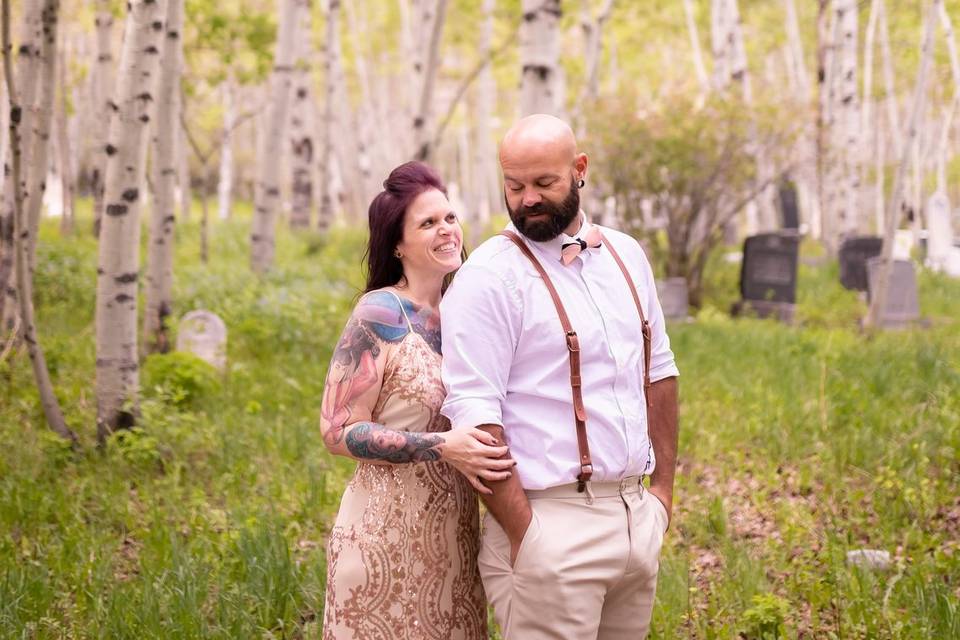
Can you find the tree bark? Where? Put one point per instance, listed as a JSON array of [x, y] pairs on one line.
[[118, 266], [48, 399], [879, 298], [433, 19], [845, 161], [103, 104], [64, 148], [541, 82], [702, 78], [943, 149], [159, 276], [331, 65], [302, 126], [267, 196], [225, 179], [28, 70]]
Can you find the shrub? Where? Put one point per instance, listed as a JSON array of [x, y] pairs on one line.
[[182, 377]]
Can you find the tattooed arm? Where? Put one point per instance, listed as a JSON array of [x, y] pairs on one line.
[[353, 386]]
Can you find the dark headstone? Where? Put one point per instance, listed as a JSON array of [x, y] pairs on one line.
[[902, 307], [788, 205], [853, 255], [674, 298], [768, 275]]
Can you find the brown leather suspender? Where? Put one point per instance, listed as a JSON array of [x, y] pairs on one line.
[[573, 346]]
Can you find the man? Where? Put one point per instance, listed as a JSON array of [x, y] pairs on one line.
[[561, 558]]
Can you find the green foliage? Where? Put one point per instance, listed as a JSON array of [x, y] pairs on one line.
[[209, 518], [181, 377], [764, 620]]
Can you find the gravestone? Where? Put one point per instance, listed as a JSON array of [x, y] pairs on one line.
[[788, 205], [673, 298], [939, 232], [204, 334], [853, 255], [902, 306], [768, 275]]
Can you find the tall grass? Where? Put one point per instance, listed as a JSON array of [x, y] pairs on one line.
[[209, 520]]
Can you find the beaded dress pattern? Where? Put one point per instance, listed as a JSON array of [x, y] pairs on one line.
[[402, 556]]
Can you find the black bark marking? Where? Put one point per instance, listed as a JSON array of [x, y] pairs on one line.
[[122, 298], [110, 149], [131, 195], [117, 210], [152, 50], [157, 25], [126, 278]]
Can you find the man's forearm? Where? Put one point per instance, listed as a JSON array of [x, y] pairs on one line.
[[508, 504], [662, 424]]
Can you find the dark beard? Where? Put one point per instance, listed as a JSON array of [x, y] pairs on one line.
[[559, 216]]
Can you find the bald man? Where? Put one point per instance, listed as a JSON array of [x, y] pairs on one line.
[[572, 539]]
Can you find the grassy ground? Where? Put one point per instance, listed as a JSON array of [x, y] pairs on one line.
[[798, 444]]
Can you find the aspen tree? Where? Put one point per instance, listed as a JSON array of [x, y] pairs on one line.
[[880, 295], [159, 274], [49, 10], [302, 126], [843, 216], [541, 82], [225, 180], [432, 21], [266, 204], [103, 82], [698, 64], [28, 77], [119, 251], [331, 66]]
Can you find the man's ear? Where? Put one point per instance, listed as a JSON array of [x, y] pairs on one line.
[[580, 165]]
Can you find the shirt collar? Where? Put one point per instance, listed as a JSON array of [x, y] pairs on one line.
[[551, 248]]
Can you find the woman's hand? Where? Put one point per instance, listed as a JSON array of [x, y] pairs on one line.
[[477, 455]]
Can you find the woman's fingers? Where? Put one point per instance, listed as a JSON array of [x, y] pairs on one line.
[[494, 476], [479, 486]]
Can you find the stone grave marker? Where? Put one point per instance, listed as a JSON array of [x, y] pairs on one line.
[[768, 275], [673, 298], [204, 334], [788, 205], [902, 307], [853, 255]]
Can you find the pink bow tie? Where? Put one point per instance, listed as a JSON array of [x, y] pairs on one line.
[[571, 250]]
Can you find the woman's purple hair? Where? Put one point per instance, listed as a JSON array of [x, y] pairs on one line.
[[386, 217]]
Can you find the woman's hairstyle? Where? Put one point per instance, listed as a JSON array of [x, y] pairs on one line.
[[386, 216]]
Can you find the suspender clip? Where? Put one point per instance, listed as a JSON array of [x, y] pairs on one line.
[[573, 342]]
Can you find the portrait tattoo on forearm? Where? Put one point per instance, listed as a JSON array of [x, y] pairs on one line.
[[369, 441]]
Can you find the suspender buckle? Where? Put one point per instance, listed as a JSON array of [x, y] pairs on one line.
[[586, 470], [573, 342]]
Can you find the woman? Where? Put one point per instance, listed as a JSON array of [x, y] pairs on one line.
[[401, 559]]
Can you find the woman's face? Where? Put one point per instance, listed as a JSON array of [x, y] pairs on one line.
[[432, 238]]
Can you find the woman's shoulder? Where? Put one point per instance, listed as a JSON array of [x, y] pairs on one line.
[[382, 310]]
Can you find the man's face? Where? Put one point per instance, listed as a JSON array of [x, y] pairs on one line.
[[547, 215]]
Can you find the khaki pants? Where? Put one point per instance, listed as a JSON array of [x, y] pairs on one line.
[[587, 566]]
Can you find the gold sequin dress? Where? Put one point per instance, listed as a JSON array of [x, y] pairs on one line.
[[402, 556]]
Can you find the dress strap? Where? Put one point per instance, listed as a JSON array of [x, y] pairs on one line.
[[402, 310]]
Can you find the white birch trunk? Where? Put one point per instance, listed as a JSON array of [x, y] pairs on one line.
[[225, 180], [48, 399], [27, 72], [879, 298], [484, 148], [541, 82], [943, 149], [102, 99], [592, 30], [117, 274], [847, 132], [434, 17], [331, 49], [302, 126], [184, 187], [159, 276], [64, 148], [702, 78], [267, 196]]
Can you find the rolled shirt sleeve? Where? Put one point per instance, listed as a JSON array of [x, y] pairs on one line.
[[480, 322]]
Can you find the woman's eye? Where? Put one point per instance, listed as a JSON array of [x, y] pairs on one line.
[[426, 223], [516, 189], [451, 217]]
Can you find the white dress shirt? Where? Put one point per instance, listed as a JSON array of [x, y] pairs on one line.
[[505, 359]]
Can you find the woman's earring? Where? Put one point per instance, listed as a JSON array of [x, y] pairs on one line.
[[580, 183], [397, 254]]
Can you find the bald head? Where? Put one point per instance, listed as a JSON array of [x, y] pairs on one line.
[[539, 136], [541, 171]]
